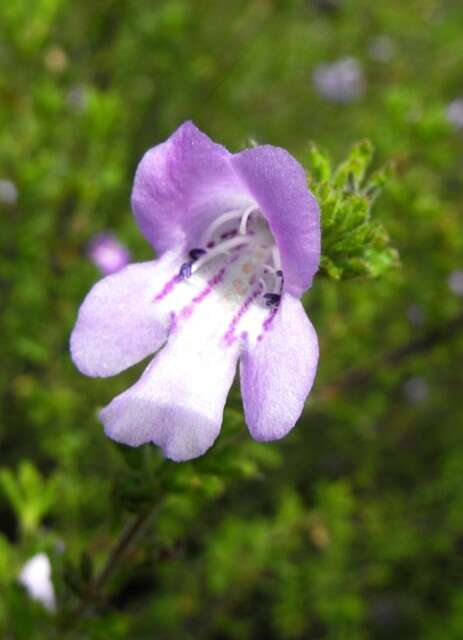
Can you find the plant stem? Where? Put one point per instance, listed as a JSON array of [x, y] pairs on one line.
[[128, 536], [132, 532]]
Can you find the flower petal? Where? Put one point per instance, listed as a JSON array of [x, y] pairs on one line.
[[181, 185], [119, 322], [35, 577], [277, 373], [178, 402], [278, 184]]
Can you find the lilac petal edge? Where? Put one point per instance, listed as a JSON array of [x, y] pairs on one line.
[[279, 185], [277, 373]]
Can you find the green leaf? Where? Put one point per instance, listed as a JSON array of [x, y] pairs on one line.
[[30, 495], [353, 243]]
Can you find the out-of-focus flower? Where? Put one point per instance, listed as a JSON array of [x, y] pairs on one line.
[[8, 192], [381, 49], [77, 97], [455, 282], [108, 254], [416, 389], [415, 315], [35, 577], [454, 112], [238, 240], [340, 81]]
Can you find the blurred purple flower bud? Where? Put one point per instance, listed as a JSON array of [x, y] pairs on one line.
[[381, 49], [108, 254], [77, 97], [455, 282], [454, 112], [8, 192], [416, 389], [415, 315], [341, 81]]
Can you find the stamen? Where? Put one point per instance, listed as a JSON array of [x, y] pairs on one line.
[[273, 299], [196, 253], [223, 247], [276, 275], [228, 234], [232, 236], [185, 270], [218, 222], [276, 258], [244, 219], [227, 217]]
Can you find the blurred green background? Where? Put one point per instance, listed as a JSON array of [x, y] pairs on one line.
[[352, 527]]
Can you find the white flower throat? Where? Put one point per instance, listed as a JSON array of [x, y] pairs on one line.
[[241, 243]]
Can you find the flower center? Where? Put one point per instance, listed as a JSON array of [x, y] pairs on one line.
[[240, 242]]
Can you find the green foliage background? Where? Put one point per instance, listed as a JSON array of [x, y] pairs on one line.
[[352, 527]]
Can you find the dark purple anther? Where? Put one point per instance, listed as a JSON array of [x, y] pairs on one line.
[[185, 270], [272, 299], [196, 253], [280, 273]]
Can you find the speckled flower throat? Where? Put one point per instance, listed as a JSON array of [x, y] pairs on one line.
[[238, 257]]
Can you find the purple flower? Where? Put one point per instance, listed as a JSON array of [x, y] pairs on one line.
[[381, 48], [35, 577], [455, 282], [416, 389], [8, 192], [415, 315], [108, 254], [341, 81], [454, 113], [238, 239]]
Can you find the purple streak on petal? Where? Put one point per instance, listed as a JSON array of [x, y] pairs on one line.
[[173, 322], [168, 287], [213, 282], [279, 186], [267, 324], [230, 336], [187, 311], [178, 402], [108, 254], [277, 373]]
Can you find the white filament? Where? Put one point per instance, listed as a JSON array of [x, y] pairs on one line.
[[223, 247], [276, 258], [244, 219], [218, 222]]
